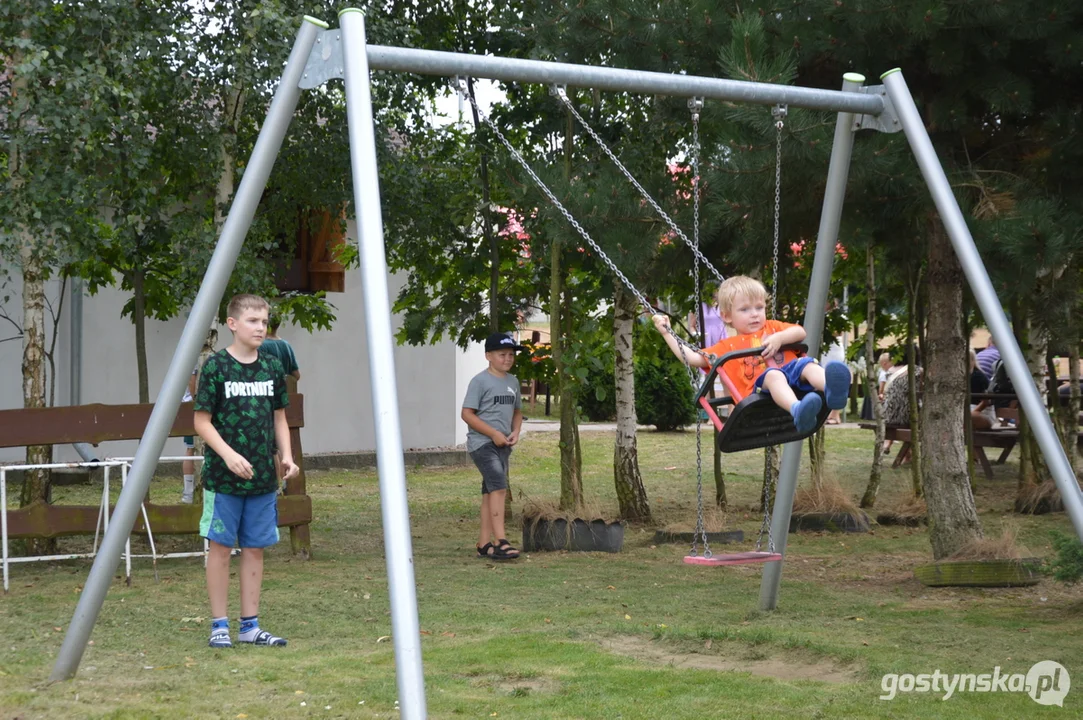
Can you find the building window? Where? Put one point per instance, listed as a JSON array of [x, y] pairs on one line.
[[313, 266]]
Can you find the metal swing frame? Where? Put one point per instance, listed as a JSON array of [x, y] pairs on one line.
[[320, 54]]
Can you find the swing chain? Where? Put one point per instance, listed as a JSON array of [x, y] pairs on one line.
[[563, 96], [695, 105], [460, 86], [779, 113]]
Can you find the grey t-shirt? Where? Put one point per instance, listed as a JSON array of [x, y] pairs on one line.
[[495, 399]]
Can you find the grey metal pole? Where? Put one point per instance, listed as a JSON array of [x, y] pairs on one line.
[[838, 171], [204, 311], [982, 287], [433, 62], [398, 547]]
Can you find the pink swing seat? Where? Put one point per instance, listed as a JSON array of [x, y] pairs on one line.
[[744, 558]]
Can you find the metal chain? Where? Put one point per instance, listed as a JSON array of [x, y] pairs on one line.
[[563, 96], [460, 86], [779, 113], [695, 105]]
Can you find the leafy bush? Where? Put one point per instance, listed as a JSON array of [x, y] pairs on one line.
[[598, 394], [663, 392], [1067, 567]]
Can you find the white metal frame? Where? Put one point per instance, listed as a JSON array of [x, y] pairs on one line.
[[102, 526]]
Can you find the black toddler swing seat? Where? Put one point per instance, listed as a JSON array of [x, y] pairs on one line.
[[755, 421]]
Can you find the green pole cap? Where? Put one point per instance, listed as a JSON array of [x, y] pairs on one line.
[[889, 72], [316, 21], [854, 77], [350, 10]]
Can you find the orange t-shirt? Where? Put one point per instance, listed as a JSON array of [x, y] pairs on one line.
[[744, 371]]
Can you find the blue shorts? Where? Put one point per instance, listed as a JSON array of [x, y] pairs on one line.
[[189, 441], [792, 370], [247, 521]]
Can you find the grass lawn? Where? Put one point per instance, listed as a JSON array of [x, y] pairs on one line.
[[556, 635]]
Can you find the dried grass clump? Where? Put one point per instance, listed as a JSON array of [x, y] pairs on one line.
[[912, 509], [715, 519], [1004, 547], [828, 498], [538, 510], [1039, 499]]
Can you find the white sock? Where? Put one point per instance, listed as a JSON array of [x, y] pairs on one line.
[[189, 484]]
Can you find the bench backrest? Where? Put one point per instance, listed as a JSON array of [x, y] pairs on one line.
[[101, 423]]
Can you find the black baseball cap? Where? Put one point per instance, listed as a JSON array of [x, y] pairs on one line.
[[500, 341]]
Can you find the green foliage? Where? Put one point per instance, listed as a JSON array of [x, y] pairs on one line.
[[664, 393], [1067, 566]]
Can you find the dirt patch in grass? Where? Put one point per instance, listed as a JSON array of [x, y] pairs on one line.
[[725, 657], [521, 687]]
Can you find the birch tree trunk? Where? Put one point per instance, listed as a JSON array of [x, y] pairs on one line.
[[872, 386], [631, 494], [36, 485], [953, 518]]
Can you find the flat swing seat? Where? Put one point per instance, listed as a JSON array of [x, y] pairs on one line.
[[744, 558]]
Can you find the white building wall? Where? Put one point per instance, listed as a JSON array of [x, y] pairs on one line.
[[334, 374]]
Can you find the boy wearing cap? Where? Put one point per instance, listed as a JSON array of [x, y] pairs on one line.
[[492, 412]]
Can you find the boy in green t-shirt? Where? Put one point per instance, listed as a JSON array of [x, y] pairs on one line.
[[240, 412]]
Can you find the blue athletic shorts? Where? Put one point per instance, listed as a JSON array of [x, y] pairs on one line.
[[792, 370], [189, 441], [247, 521]]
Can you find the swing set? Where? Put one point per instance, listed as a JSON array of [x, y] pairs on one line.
[[755, 421], [320, 54]]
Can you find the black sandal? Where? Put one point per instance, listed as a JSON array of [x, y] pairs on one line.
[[503, 546], [496, 554]]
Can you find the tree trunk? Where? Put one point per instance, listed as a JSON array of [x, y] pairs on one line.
[[139, 318], [771, 461], [953, 518], [571, 460], [916, 437], [37, 485], [872, 386], [1066, 415], [719, 477], [817, 456], [631, 494], [233, 101], [1033, 470]]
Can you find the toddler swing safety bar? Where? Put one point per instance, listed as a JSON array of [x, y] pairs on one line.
[[755, 421]]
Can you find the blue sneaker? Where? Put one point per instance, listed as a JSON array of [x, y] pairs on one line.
[[836, 385], [805, 412]]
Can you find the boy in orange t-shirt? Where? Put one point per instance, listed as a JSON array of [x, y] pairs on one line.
[[742, 303]]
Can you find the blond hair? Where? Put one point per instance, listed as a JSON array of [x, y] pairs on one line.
[[739, 286], [884, 357], [239, 303]]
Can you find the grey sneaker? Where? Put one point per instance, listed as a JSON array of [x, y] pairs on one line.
[[186, 498]]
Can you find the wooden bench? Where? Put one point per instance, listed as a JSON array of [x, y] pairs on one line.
[[100, 423], [1004, 438], [979, 439]]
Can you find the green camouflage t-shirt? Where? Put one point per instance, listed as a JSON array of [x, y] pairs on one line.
[[241, 399]]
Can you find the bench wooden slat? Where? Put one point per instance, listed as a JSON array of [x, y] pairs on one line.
[[38, 520], [101, 423]]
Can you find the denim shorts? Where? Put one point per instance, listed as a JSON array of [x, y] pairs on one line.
[[492, 461], [247, 521], [792, 370]]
